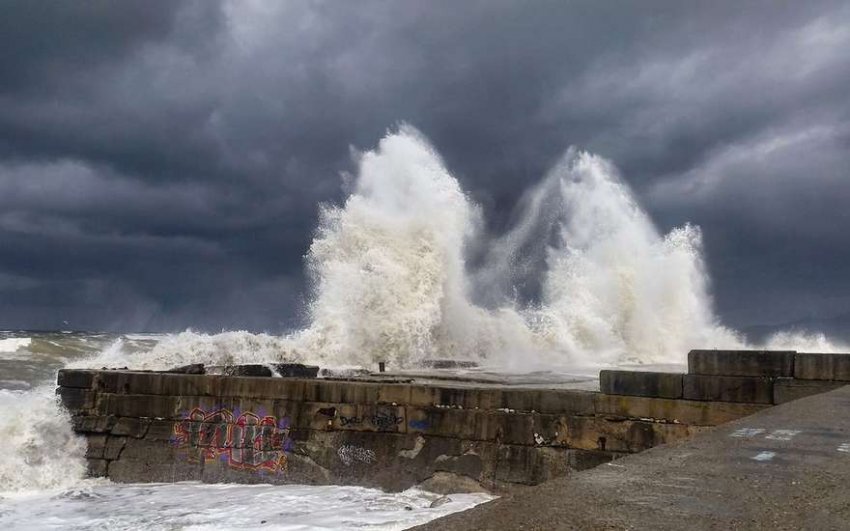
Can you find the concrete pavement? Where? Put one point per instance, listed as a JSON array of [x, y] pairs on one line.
[[787, 467]]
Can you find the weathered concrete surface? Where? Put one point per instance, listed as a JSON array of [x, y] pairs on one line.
[[786, 467], [394, 432], [748, 389], [148, 426], [741, 362], [633, 383], [788, 389], [822, 367]]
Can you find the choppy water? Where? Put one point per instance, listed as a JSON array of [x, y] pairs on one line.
[[42, 484], [28, 358], [102, 505]]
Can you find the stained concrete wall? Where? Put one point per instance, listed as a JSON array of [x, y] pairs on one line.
[[145, 426], [744, 376]]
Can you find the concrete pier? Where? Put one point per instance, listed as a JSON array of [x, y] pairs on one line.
[[786, 467], [445, 433]]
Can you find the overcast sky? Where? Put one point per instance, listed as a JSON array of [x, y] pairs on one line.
[[161, 163]]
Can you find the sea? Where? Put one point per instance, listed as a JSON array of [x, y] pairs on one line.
[[42, 472]]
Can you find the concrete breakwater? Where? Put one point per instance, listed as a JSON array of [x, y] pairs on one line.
[[394, 433]]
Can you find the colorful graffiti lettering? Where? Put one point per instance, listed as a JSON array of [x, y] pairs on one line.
[[244, 441]]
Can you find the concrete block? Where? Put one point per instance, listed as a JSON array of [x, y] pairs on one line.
[[149, 383], [316, 415], [811, 366], [506, 428], [485, 399], [788, 389], [97, 468], [260, 407], [692, 412], [741, 362], [747, 389], [274, 388], [547, 430], [113, 448], [418, 420], [328, 391], [565, 402], [250, 370], [456, 397], [348, 418], [187, 405], [527, 465], [296, 370], [521, 399], [185, 385], [423, 396], [132, 427], [312, 390], [75, 378], [384, 418], [76, 400], [287, 411], [585, 459], [146, 450], [160, 430], [634, 383], [468, 465], [139, 406], [361, 393], [561, 401], [117, 382], [95, 445], [595, 433], [443, 422], [393, 394], [92, 423]]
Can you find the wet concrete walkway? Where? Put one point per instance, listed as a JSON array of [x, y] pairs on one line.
[[787, 467]]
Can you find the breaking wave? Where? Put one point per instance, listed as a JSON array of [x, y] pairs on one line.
[[391, 281], [582, 279], [41, 451]]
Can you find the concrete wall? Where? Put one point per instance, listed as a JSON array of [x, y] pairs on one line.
[[145, 426]]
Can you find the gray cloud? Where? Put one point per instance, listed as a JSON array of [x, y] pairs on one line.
[[161, 167]]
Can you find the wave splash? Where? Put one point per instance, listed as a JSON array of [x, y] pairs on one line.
[[391, 281], [582, 279], [41, 451]]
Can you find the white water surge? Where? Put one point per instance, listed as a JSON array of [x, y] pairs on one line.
[[40, 450], [391, 280], [196, 506], [582, 279]]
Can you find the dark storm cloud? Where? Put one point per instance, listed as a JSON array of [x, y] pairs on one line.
[[161, 164]]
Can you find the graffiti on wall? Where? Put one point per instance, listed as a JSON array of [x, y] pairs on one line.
[[244, 441], [350, 454], [350, 421], [386, 420]]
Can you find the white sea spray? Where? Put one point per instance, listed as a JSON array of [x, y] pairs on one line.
[[40, 450]]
